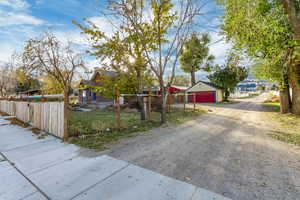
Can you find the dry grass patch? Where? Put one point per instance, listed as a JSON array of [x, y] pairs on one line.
[[15, 121], [286, 127], [3, 114], [35, 131], [42, 136]]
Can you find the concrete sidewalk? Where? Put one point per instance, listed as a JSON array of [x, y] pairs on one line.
[[37, 169]]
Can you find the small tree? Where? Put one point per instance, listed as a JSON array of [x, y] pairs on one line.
[[195, 56], [121, 52], [25, 81], [7, 80], [228, 76], [48, 56], [108, 86]]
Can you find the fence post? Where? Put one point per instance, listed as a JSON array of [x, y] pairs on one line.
[[169, 101], [118, 108], [184, 102], [149, 106], [194, 101], [66, 115]]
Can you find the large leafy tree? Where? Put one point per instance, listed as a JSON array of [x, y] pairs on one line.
[[195, 55], [260, 29], [292, 10], [228, 75], [8, 81], [160, 29]]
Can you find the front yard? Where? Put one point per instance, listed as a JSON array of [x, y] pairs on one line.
[[287, 126], [97, 129]]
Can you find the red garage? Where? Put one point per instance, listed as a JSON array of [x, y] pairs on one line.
[[205, 92]]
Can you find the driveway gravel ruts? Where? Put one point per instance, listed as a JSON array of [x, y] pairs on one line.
[[226, 151]]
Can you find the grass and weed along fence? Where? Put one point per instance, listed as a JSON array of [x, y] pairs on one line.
[[47, 116]]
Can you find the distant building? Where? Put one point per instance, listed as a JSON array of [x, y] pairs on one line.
[[251, 85], [31, 93], [87, 95]]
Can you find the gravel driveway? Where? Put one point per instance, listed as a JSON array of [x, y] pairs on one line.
[[226, 151]]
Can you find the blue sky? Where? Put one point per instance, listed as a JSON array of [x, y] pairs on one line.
[[24, 19]]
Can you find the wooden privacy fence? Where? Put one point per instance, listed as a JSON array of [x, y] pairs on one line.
[[47, 116]]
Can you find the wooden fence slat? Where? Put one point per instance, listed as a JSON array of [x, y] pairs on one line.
[[46, 116]]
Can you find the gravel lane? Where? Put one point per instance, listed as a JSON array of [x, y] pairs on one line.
[[226, 151]]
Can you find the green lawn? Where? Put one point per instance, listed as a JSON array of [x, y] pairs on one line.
[[289, 124], [97, 128]]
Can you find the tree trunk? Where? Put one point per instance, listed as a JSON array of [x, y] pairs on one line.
[[294, 78], [285, 97], [290, 8], [226, 95], [66, 115], [142, 108], [193, 78], [284, 100], [164, 97]]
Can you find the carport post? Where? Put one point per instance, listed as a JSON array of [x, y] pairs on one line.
[[149, 106], [66, 114]]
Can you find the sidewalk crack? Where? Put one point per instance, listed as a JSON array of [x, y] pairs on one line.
[[101, 181], [20, 172]]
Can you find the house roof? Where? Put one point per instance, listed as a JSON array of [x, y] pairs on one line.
[[104, 73], [29, 91], [88, 82], [91, 82], [208, 84]]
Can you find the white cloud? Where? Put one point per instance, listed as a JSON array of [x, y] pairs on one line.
[[92, 63], [15, 12], [73, 36], [6, 50], [15, 4], [12, 18], [104, 24], [12, 39]]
